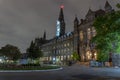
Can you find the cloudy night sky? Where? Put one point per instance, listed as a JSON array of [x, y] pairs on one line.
[[23, 20]]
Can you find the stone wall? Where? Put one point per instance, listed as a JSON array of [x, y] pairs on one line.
[[116, 59]]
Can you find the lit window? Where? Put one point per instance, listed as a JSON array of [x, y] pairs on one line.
[[93, 31], [89, 33], [81, 35], [68, 56], [88, 54], [50, 58], [64, 45], [68, 44], [61, 57]]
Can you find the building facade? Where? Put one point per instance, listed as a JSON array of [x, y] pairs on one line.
[[61, 47]]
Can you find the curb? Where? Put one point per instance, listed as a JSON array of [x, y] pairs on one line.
[[31, 70]]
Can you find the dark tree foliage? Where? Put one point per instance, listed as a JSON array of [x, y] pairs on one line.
[[108, 34], [75, 56], [118, 5], [34, 51], [11, 52]]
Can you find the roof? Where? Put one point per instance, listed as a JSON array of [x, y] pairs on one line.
[[107, 4], [99, 12]]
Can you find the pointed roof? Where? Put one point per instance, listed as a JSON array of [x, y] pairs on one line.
[[76, 19], [89, 12], [99, 12], [107, 4], [44, 36], [61, 15]]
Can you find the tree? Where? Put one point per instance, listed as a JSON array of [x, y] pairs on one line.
[[11, 52], [75, 56], [107, 38], [34, 51], [118, 5]]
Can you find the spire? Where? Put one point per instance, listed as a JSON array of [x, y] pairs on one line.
[[76, 19], [60, 28], [76, 23], [107, 4], [89, 11], [44, 36], [61, 15], [108, 7]]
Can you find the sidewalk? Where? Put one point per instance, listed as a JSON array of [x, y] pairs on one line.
[[102, 71]]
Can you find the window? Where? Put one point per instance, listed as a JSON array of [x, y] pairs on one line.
[[93, 31], [68, 44], [50, 58], [68, 49], [64, 50], [68, 56], [88, 54], [61, 57], [89, 33], [81, 35], [65, 45]]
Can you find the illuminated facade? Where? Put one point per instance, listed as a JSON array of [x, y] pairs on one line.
[[61, 47]]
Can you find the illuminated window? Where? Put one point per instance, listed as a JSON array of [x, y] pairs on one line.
[[95, 54], [58, 28], [65, 57], [68, 44], [61, 57], [81, 35], [47, 58], [89, 33], [88, 54], [93, 31], [65, 45], [50, 58]]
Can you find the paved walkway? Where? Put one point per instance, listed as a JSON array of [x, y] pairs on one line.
[[93, 73], [74, 72]]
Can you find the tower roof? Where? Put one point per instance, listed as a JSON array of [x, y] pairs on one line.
[[107, 4], [44, 35], [90, 12], [76, 19], [61, 15]]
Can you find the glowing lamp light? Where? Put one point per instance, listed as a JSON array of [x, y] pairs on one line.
[[62, 6], [54, 59], [0, 60]]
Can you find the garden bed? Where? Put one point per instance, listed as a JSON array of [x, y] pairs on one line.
[[28, 67]]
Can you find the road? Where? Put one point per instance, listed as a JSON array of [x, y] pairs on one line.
[[75, 72]]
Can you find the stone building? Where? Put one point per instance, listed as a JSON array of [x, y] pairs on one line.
[[61, 47]]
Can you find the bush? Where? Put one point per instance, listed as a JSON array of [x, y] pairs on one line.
[[30, 64]]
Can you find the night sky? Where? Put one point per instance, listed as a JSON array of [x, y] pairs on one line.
[[23, 20]]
